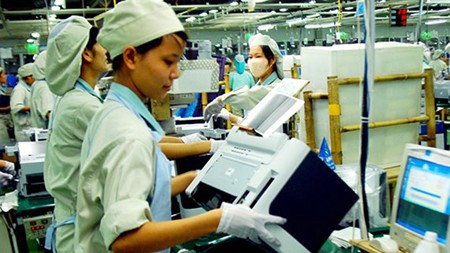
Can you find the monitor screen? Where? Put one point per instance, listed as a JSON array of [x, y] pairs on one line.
[[424, 198]]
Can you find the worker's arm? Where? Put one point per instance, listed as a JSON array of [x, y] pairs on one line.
[[171, 139], [154, 236], [182, 181], [25, 109], [5, 108], [180, 150]]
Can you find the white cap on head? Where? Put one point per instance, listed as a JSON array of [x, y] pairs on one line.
[[66, 43], [239, 58], [39, 66], [265, 40], [25, 70], [136, 22], [436, 54]]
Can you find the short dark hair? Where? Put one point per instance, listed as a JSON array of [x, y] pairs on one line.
[[144, 48], [93, 32]]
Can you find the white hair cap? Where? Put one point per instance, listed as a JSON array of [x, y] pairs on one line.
[[265, 40], [436, 54], [38, 68], [136, 22], [66, 43], [239, 58], [25, 70]]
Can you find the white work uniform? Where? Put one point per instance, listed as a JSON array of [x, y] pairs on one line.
[[42, 101], [247, 98], [122, 170], [70, 119], [20, 97], [439, 68]]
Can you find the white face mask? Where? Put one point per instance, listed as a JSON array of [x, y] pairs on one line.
[[258, 66]]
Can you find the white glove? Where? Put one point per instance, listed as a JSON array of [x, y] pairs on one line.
[[224, 114], [243, 222], [4, 178], [213, 108], [215, 145], [10, 168], [193, 138]]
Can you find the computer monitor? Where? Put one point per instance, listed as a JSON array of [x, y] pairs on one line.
[[421, 201]]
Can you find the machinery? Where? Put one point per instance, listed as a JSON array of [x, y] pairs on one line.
[[279, 176], [442, 91], [31, 173]]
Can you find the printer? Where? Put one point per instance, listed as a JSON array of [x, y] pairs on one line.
[[279, 176], [31, 173]]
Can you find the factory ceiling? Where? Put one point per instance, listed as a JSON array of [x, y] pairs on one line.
[[19, 18]]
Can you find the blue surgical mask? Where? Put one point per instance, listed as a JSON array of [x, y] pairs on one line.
[[240, 66]]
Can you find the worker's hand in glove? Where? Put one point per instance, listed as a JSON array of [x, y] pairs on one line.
[[4, 178], [9, 168], [215, 145], [224, 114], [193, 138], [213, 108], [243, 222]]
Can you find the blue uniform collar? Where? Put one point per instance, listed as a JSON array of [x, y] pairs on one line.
[[130, 100], [270, 79], [84, 86]]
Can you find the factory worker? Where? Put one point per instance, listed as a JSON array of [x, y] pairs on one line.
[[74, 62], [20, 102], [266, 65], [238, 79], [42, 100], [7, 172], [438, 65], [4, 110], [125, 187]]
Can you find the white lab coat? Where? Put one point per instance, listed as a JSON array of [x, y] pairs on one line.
[[62, 161], [438, 67], [246, 99], [20, 97], [118, 154], [42, 101]]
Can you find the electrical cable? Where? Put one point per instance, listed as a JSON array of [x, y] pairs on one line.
[[367, 87]]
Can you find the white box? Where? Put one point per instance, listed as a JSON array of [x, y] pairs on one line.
[[389, 100]]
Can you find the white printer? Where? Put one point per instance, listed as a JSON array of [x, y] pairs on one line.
[[279, 176]]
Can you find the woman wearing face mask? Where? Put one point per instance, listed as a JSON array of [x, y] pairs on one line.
[[266, 65]]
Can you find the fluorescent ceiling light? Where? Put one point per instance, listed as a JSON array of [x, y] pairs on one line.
[[315, 15], [284, 9], [435, 22], [294, 21], [190, 19], [417, 13], [323, 25], [265, 27]]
